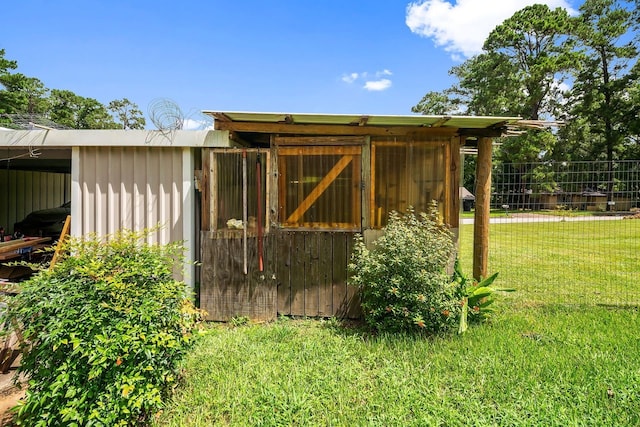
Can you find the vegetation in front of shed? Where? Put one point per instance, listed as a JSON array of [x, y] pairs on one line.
[[403, 282], [106, 330]]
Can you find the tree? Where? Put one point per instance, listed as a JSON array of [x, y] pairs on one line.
[[22, 94], [531, 55], [5, 66], [603, 90], [77, 112], [437, 103], [519, 72], [534, 41], [478, 91], [127, 114]]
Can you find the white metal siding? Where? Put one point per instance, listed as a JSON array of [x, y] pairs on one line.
[[22, 192], [130, 188]]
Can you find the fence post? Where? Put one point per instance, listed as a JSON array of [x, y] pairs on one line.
[[482, 209]]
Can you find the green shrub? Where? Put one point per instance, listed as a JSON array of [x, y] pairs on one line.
[[107, 328], [403, 281]]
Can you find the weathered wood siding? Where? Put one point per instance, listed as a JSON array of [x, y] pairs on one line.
[[225, 290], [306, 261], [305, 274], [312, 273]]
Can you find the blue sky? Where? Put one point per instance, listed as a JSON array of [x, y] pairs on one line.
[[324, 56]]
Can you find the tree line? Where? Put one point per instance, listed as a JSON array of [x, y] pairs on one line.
[[21, 95], [544, 64]]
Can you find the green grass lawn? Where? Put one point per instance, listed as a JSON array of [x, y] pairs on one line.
[[538, 362], [502, 213], [582, 262], [544, 366]]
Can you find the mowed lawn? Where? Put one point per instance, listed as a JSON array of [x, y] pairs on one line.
[[581, 262], [535, 363]]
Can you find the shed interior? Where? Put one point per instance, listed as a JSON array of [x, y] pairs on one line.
[[31, 180]]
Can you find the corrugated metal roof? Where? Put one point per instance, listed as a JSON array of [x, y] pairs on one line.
[[113, 138], [468, 122]]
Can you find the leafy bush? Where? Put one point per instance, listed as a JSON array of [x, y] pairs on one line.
[[403, 281], [106, 329], [478, 296]]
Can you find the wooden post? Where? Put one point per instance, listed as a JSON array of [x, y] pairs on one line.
[[482, 210], [454, 195], [205, 204], [63, 235]]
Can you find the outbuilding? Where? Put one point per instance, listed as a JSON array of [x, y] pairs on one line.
[[267, 203], [304, 184]]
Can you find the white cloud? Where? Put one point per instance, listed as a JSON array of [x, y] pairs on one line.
[[377, 85], [191, 124], [350, 78], [372, 81], [462, 26]]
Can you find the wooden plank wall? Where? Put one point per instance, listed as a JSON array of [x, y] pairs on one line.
[[225, 291], [312, 274]]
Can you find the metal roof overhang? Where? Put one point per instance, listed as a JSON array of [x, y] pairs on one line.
[[111, 138], [358, 123]]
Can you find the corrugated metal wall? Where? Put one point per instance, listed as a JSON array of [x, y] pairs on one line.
[[129, 187], [22, 192]]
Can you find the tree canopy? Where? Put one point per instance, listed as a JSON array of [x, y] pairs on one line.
[[21, 95], [543, 64]]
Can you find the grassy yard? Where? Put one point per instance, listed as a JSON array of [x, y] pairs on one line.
[[535, 363], [582, 262], [545, 366], [502, 213]]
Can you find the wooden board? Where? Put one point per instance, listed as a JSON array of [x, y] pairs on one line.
[[354, 310], [339, 274], [312, 275], [306, 275], [225, 291], [283, 272], [319, 140], [325, 267], [482, 209], [63, 235], [297, 274]]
